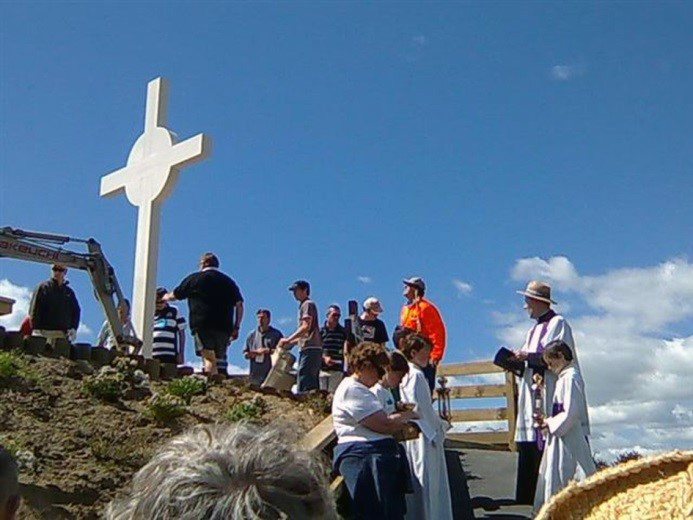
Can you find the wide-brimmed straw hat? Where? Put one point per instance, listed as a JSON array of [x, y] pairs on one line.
[[538, 291]]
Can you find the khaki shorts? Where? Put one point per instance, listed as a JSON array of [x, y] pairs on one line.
[[215, 340]]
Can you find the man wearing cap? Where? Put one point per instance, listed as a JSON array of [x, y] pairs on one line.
[[333, 337], [421, 316], [259, 345], [216, 310], [54, 308], [307, 337], [169, 331], [372, 328], [549, 326]]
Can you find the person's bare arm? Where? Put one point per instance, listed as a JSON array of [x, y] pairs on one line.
[[300, 331], [380, 422]]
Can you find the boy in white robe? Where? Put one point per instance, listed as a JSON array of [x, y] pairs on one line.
[[426, 454], [567, 455]]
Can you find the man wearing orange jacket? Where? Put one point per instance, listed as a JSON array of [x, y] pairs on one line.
[[421, 316]]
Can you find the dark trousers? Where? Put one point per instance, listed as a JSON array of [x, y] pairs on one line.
[[529, 458], [375, 477], [429, 372], [309, 363]]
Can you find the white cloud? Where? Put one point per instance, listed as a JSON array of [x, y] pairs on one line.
[[566, 72], [285, 320], [84, 332], [636, 368], [364, 279], [20, 309], [463, 288]]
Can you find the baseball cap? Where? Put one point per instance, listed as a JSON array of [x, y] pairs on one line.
[[372, 304], [299, 284], [415, 281]]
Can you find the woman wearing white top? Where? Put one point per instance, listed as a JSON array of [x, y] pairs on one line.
[[366, 452], [426, 455]]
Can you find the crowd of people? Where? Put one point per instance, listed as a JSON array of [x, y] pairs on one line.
[[390, 438]]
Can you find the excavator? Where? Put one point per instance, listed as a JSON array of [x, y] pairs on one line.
[[46, 248]]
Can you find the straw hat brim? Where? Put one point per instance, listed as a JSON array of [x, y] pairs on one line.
[[535, 297]]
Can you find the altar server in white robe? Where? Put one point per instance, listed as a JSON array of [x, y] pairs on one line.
[[567, 455], [426, 455], [549, 327]]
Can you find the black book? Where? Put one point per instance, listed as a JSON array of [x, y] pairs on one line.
[[506, 360]]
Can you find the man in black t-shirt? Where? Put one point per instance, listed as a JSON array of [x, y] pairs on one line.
[[372, 328], [214, 300]]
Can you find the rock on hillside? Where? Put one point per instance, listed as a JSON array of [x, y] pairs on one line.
[[76, 451]]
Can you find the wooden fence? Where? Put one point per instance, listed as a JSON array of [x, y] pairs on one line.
[[484, 439]]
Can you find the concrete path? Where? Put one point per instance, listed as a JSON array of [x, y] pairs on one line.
[[491, 481]]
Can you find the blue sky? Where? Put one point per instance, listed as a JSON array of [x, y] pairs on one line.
[[476, 144]]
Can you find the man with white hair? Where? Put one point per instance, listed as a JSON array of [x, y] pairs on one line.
[[9, 486], [221, 472], [549, 327]]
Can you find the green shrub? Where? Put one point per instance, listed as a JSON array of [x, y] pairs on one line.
[[187, 387], [106, 385], [251, 411], [9, 365], [14, 366], [165, 408]]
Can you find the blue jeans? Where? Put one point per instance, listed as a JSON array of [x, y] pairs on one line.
[[309, 363]]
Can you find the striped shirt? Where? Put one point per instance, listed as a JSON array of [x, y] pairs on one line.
[[333, 345], [167, 324]]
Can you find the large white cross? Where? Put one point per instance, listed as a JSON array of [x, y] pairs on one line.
[[148, 178]]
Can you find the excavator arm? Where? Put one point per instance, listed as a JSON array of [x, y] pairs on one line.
[[47, 249]]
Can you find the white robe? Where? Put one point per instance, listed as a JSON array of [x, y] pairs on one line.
[[557, 328], [567, 455], [426, 454]]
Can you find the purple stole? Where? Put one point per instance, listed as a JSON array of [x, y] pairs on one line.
[[544, 322]]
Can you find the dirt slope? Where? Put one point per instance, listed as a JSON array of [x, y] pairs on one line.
[[76, 451]]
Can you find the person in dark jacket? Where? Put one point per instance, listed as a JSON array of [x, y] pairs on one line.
[[54, 309]]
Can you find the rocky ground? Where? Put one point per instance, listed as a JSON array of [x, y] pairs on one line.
[[77, 450]]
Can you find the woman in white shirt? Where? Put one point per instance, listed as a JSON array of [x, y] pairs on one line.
[[366, 452]]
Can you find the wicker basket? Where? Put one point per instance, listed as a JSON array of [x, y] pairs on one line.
[[659, 487]]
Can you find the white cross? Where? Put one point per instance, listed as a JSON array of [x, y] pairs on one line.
[[148, 178]]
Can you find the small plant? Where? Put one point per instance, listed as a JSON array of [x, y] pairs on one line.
[[165, 408], [9, 366], [107, 385], [627, 456], [251, 411], [187, 387], [118, 451], [14, 366]]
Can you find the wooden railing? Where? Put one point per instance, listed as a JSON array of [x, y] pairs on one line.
[[483, 439], [319, 439]]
